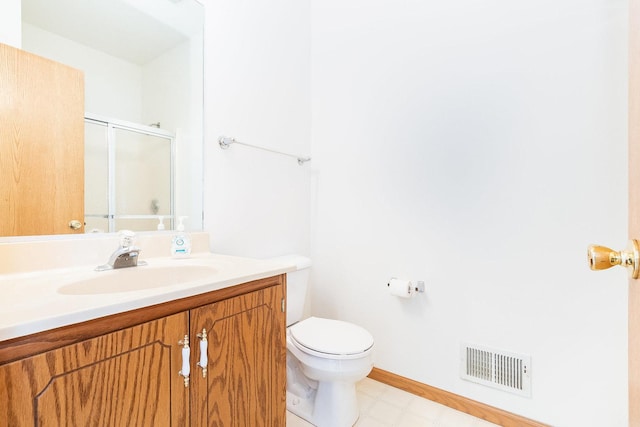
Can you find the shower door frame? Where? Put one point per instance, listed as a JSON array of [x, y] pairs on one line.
[[112, 125]]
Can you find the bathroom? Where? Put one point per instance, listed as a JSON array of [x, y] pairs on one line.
[[477, 146]]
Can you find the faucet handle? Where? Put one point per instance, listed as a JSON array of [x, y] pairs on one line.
[[126, 238]]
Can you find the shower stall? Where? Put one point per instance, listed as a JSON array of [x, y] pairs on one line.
[[129, 175]]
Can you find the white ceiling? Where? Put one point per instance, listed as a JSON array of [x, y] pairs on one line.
[[111, 26]]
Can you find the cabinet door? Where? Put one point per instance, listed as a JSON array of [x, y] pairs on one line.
[[41, 145], [125, 378], [246, 379]]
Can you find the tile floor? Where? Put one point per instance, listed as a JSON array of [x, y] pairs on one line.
[[385, 406]]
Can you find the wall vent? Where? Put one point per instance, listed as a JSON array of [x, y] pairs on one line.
[[495, 368]]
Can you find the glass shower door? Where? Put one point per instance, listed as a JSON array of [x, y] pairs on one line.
[[129, 182]]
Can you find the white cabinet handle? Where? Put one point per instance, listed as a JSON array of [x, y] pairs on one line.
[[204, 344], [186, 355]]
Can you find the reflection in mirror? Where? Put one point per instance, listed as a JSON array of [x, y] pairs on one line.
[[142, 179], [143, 65], [128, 179]]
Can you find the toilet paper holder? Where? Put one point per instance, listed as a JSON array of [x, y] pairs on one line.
[[417, 287]]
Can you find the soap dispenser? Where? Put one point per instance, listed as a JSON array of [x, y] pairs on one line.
[[161, 223], [181, 242]]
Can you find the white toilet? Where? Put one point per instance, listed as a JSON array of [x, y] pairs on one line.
[[325, 358]]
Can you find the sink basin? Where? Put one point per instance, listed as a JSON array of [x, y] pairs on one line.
[[136, 279]]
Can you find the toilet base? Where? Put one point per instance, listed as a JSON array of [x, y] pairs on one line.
[[321, 387], [333, 404]]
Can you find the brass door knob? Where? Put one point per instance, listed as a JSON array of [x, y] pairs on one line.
[[601, 258]]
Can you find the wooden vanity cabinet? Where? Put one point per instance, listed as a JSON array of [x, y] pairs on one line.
[[245, 384], [122, 378], [130, 376]]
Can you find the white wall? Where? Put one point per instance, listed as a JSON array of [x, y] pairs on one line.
[[162, 80], [113, 87], [479, 146], [165, 78], [11, 22], [257, 89]]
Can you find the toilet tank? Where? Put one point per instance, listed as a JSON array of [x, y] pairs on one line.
[[297, 284]]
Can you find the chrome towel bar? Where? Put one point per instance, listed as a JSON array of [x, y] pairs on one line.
[[225, 142]]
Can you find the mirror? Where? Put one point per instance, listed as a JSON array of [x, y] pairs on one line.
[[143, 68]]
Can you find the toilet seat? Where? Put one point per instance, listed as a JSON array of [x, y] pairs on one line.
[[331, 339]]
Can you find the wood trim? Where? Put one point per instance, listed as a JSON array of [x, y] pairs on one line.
[[634, 209], [459, 403], [29, 345]]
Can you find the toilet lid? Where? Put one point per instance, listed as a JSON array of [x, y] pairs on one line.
[[331, 336]]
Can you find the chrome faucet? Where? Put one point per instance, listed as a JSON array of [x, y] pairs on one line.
[[125, 256]]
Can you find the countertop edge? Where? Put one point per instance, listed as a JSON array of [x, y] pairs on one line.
[[251, 270]]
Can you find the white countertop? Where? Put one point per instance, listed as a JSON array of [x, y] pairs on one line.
[[37, 301]]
